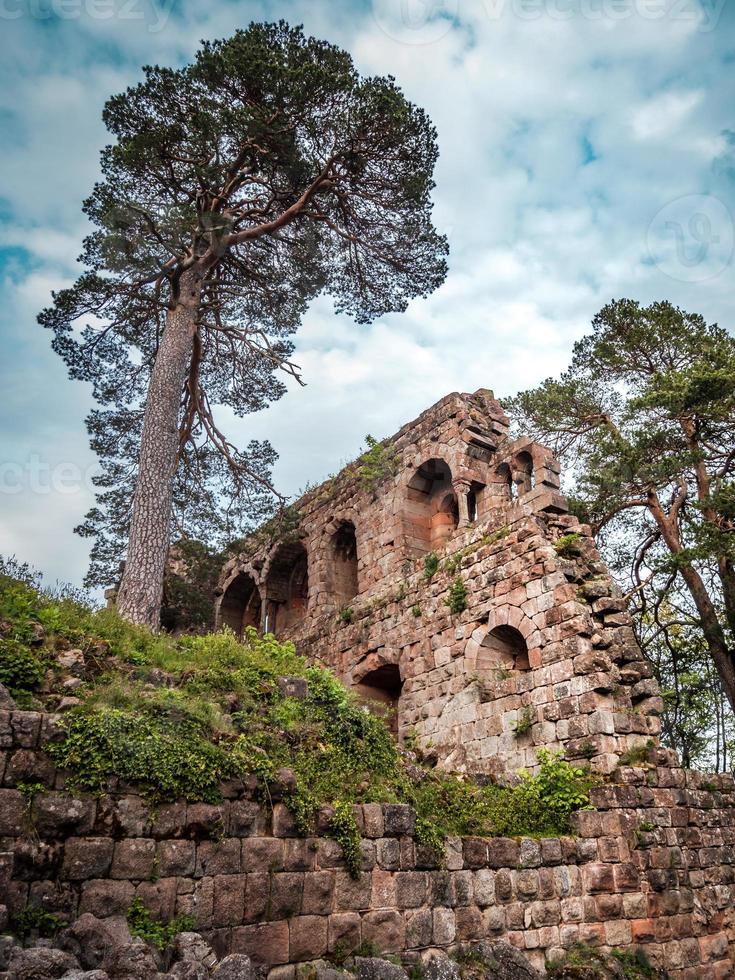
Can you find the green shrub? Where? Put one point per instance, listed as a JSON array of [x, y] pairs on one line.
[[157, 934], [457, 597], [379, 462], [346, 615], [32, 919], [21, 668]]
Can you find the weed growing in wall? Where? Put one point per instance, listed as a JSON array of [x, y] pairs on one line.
[[457, 597], [568, 545], [379, 462], [431, 565]]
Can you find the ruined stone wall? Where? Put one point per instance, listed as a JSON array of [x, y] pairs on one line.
[[652, 866], [542, 655]]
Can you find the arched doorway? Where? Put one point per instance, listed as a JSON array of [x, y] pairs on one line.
[[241, 605], [287, 588]]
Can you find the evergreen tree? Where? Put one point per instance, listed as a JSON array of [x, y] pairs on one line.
[[236, 189], [645, 417]]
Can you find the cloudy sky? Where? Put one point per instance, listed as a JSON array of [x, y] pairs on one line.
[[587, 152]]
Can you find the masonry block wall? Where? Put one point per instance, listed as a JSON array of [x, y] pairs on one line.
[[542, 655], [652, 866]]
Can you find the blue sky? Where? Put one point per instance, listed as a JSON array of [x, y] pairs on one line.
[[587, 152]]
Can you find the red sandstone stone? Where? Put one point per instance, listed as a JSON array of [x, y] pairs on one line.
[[308, 937]]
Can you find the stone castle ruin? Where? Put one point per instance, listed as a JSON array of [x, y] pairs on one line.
[[442, 576]]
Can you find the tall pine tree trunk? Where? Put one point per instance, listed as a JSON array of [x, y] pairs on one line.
[[141, 589]]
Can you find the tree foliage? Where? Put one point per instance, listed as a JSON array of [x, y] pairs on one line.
[[236, 189], [644, 418]]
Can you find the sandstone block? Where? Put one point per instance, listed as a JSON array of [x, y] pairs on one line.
[[385, 928], [86, 857], [308, 937], [318, 896], [133, 858], [265, 943], [344, 930]]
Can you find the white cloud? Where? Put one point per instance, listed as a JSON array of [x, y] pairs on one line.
[[561, 140]]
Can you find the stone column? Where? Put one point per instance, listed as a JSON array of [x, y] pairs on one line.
[[462, 489]]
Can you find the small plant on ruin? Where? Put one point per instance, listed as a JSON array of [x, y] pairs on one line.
[[346, 615], [568, 545], [581, 960], [416, 610], [502, 673], [33, 920], [158, 934], [457, 597], [379, 462], [637, 755], [452, 565], [431, 565], [525, 722]]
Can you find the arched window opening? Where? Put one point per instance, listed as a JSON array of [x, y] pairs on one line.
[[506, 480], [380, 690], [240, 605], [524, 472], [505, 648], [431, 511], [287, 588], [344, 563]]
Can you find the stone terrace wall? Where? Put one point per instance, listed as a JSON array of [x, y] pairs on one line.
[[652, 866]]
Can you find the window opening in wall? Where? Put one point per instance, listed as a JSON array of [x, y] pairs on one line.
[[380, 689], [344, 585], [287, 588], [240, 606], [431, 511], [524, 472], [503, 647], [506, 476]]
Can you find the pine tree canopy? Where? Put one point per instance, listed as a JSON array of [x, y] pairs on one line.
[[255, 178]]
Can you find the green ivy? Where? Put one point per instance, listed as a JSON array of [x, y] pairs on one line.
[[343, 827]]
